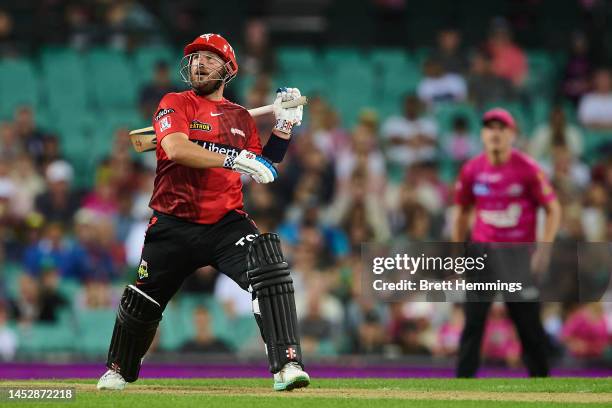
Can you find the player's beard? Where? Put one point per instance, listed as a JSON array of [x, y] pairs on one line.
[[204, 88]]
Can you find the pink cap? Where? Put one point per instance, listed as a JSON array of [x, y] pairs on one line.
[[500, 115]]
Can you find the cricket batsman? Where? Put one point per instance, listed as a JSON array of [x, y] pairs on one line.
[[204, 144], [505, 188]]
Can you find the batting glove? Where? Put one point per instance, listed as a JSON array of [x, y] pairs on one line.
[[249, 163], [287, 118]]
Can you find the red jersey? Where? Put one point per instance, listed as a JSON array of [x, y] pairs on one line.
[[506, 197], [202, 196]]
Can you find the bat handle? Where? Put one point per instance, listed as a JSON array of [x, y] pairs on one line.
[[302, 100]]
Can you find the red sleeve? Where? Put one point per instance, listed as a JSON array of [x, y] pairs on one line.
[[253, 141], [171, 116], [540, 187], [463, 187]]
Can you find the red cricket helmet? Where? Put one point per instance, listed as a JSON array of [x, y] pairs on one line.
[[219, 45]]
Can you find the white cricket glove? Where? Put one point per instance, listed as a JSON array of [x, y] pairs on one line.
[[258, 167], [287, 118]]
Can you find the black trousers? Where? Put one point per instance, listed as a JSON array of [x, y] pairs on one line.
[[174, 249], [508, 264], [526, 318]]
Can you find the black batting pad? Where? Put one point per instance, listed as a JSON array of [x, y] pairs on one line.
[[272, 285], [137, 320]]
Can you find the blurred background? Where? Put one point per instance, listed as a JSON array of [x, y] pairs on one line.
[[397, 88]]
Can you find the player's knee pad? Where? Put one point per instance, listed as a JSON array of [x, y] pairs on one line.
[[137, 320], [271, 282]]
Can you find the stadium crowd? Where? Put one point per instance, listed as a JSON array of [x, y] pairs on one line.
[[377, 181]]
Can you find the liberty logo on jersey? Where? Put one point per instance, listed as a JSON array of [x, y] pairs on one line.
[[197, 125], [217, 147]]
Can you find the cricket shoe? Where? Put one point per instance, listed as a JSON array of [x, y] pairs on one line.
[[291, 376], [111, 380]]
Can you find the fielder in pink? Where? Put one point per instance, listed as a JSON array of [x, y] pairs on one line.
[[506, 197]]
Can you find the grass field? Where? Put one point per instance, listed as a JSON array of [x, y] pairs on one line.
[[414, 393]]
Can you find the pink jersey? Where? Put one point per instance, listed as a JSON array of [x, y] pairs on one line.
[[506, 197]]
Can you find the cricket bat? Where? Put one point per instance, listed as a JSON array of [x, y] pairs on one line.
[[144, 140]]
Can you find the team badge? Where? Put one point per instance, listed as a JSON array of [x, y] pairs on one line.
[[165, 124], [143, 270]]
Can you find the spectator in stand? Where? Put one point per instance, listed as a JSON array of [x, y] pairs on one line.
[[460, 143], [32, 138], [557, 132], [204, 340], [578, 69], [410, 138], [54, 248], [51, 301], [10, 145], [585, 332], [153, 92], [567, 172], [354, 205], [8, 189], [102, 257], [8, 339], [484, 86], [30, 184], [439, 86], [314, 327], [500, 343], [595, 213], [449, 53], [595, 108], [449, 333], [508, 59], [8, 42], [362, 153], [410, 338], [258, 57], [26, 307], [59, 203]]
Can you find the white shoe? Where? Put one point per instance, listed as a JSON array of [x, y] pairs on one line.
[[111, 380], [291, 376]]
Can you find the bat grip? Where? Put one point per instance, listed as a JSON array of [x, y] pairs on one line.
[[302, 100]]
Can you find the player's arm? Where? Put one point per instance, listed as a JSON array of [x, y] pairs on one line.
[[553, 219], [464, 200], [286, 119], [179, 149]]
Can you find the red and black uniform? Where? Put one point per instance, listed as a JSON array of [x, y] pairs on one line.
[[202, 196], [198, 218]]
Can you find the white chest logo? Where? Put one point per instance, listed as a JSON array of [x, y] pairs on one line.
[[216, 113], [237, 132]]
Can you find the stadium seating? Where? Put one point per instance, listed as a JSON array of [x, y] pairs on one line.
[[18, 85]]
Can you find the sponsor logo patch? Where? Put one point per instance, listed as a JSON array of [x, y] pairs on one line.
[[237, 132], [163, 112], [291, 353], [165, 124], [197, 125], [217, 147], [143, 270], [248, 238]]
